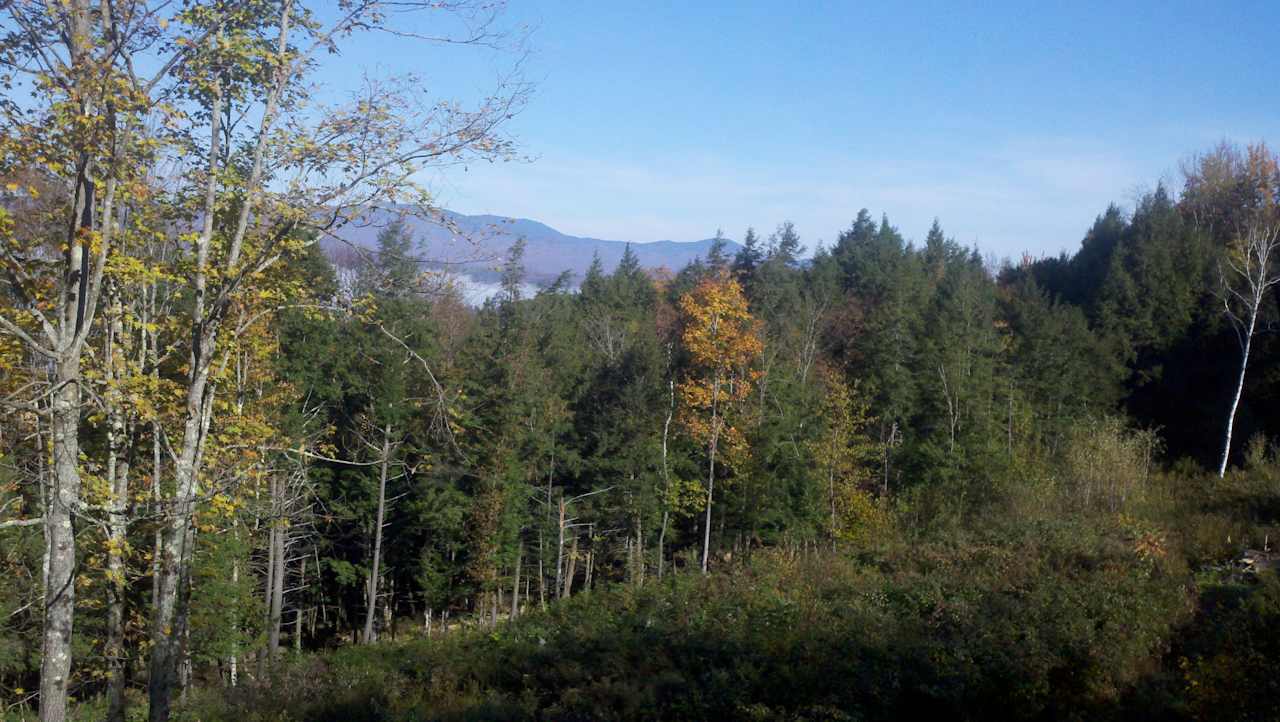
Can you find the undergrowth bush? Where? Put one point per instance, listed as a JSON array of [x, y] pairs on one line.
[[1031, 621], [1030, 605]]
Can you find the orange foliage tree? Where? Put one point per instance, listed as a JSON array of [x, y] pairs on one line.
[[722, 341]]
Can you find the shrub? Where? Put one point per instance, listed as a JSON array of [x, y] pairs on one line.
[[1027, 620], [1108, 463]]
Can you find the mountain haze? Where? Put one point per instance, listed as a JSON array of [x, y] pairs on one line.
[[475, 246]]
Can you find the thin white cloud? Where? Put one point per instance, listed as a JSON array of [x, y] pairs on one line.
[[1028, 194]]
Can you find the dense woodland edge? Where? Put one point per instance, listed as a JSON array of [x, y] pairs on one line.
[[884, 479]]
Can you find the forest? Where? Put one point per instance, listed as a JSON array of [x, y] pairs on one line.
[[872, 479]]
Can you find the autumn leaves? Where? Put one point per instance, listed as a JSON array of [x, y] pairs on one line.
[[723, 341]]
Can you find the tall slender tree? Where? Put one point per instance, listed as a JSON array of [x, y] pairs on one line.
[[1250, 269], [722, 341]]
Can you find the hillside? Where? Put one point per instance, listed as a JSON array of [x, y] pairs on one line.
[[475, 245]]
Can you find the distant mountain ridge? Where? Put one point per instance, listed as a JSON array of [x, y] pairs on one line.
[[475, 246]]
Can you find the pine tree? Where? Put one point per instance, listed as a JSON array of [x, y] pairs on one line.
[[748, 257], [784, 244], [717, 258]]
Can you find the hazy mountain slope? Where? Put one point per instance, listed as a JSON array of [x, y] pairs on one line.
[[475, 246]]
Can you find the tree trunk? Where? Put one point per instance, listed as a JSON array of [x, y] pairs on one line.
[[1235, 400], [542, 574], [560, 584], [297, 619], [542, 578], [233, 662], [60, 543], [268, 585], [591, 551], [515, 585], [711, 473], [389, 608], [953, 409], [573, 563], [276, 603], [372, 602], [831, 479], [63, 499], [166, 643], [118, 444], [166, 640], [635, 549], [641, 568], [1253, 267], [666, 478], [711, 485], [628, 543], [183, 616], [117, 658], [662, 537], [157, 541]]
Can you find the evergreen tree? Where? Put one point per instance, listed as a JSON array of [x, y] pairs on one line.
[[784, 244], [593, 282], [513, 273], [717, 257], [748, 257]]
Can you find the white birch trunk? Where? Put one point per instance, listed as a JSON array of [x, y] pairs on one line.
[[371, 604]]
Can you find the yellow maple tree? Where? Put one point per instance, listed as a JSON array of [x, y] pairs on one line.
[[722, 340]]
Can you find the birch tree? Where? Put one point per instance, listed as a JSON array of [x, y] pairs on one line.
[[1248, 271], [265, 187], [73, 137], [201, 108]]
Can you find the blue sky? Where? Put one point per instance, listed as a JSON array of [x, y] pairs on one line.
[[1014, 123]]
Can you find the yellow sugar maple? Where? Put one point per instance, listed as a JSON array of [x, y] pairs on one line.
[[723, 341]]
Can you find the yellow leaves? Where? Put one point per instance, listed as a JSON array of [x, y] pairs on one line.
[[115, 577], [842, 450], [861, 520], [685, 497], [131, 269], [116, 546], [224, 505], [95, 489], [723, 340]]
